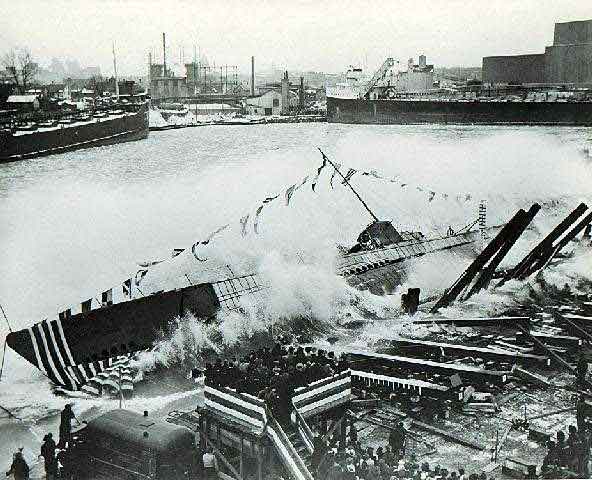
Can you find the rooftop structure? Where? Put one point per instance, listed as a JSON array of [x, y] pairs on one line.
[[567, 61]]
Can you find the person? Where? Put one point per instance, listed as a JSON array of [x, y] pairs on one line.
[[19, 468], [397, 440], [48, 452], [320, 449], [551, 458], [582, 371], [562, 449], [210, 463], [581, 414], [66, 425]]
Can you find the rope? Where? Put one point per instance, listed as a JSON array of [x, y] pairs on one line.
[[3, 355], [6, 318]]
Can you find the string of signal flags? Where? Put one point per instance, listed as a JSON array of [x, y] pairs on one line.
[[313, 180], [288, 193]]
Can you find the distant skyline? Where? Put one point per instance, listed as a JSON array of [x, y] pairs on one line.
[[295, 34]]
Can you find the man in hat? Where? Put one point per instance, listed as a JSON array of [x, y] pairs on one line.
[[19, 468], [66, 425], [48, 452]]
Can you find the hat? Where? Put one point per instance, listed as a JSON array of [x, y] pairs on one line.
[[299, 366]]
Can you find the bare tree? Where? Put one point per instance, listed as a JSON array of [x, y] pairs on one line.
[[20, 66]]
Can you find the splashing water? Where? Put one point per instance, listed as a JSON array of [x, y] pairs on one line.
[[78, 223]]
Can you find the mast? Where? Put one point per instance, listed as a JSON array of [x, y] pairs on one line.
[[346, 181], [115, 72]]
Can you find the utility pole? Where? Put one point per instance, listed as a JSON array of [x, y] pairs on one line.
[[115, 73], [164, 74]]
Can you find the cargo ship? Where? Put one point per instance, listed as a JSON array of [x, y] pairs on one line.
[[122, 123], [391, 96]]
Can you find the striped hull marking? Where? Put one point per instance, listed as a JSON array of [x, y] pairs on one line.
[[54, 357]]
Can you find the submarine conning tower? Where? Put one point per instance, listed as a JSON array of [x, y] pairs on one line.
[[380, 233]]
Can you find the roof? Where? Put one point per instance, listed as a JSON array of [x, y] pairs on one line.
[[21, 98], [163, 437]]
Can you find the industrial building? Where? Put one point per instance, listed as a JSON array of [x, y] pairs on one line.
[[567, 61]]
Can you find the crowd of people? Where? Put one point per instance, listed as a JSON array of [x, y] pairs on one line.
[[274, 374], [388, 462], [571, 453], [51, 452]]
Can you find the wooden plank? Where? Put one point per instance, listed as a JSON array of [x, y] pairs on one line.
[[566, 366], [487, 353], [448, 435], [502, 322], [451, 294], [379, 360]]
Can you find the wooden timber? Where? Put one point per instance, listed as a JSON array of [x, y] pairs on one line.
[[566, 366], [522, 269], [501, 322], [382, 363], [523, 220], [421, 347], [503, 236]]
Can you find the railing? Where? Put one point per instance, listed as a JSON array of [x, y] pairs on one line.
[[304, 430], [286, 450]]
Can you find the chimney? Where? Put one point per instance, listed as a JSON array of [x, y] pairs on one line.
[[301, 95], [422, 61], [252, 76], [163, 55], [285, 94]]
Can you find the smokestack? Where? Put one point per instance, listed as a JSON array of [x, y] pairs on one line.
[[301, 95], [285, 94], [252, 76], [163, 55]]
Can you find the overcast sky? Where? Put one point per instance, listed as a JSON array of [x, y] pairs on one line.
[[325, 35]]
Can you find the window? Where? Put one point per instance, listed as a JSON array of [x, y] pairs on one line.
[[268, 111], [276, 102]]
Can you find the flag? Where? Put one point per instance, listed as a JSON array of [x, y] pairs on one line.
[[403, 185], [243, 222], [314, 182], [193, 247], [337, 167], [206, 241], [140, 274], [350, 173], [256, 221], [177, 251], [431, 197], [372, 173], [258, 212], [127, 288], [289, 193], [214, 233]]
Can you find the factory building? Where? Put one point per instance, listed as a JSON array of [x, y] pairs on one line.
[[568, 60]]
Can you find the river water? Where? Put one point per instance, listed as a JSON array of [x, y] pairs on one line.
[[73, 225]]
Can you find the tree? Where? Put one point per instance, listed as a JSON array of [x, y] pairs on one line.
[[20, 66]]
